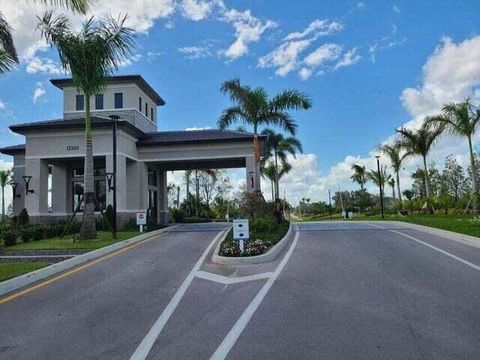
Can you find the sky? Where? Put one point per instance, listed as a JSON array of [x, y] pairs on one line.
[[368, 66]]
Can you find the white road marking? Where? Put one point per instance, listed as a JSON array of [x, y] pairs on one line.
[[146, 345], [237, 329], [463, 261], [231, 280]]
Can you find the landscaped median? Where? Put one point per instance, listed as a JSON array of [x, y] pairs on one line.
[[268, 237]]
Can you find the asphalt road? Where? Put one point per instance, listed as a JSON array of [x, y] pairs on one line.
[[339, 291]]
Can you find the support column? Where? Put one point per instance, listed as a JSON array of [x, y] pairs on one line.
[[250, 169], [59, 189], [121, 181], [36, 203], [162, 197], [18, 172], [142, 186]]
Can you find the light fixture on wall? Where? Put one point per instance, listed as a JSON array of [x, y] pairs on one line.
[[14, 189], [27, 179], [110, 176], [251, 178]]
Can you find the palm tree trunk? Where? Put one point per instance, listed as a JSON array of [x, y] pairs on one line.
[[398, 187], [273, 190], [88, 230], [277, 188], [473, 165], [3, 202], [427, 185]]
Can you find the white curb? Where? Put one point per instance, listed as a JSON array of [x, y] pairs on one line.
[[34, 276], [250, 260]]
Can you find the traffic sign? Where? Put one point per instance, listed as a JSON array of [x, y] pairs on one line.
[[240, 229]]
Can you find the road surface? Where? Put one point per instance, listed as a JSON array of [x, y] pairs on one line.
[[352, 290]]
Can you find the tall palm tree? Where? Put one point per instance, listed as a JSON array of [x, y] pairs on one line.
[[462, 119], [91, 55], [4, 178], [391, 182], [278, 147], [252, 106], [269, 171], [394, 153], [359, 176], [8, 53], [419, 142], [379, 178]]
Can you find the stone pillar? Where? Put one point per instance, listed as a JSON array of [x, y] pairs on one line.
[[142, 186], [121, 181], [18, 172], [36, 203], [250, 174], [162, 197], [59, 190]]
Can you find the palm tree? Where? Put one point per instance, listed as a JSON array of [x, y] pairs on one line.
[[278, 147], [8, 53], [379, 178], [4, 178], [269, 171], [359, 176], [91, 55], [391, 182], [462, 119], [419, 142], [252, 106], [394, 153]]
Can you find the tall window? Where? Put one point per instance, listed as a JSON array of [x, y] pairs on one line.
[[118, 100], [151, 114], [99, 101], [140, 103], [152, 178], [79, 102], [78, 188], [146, 109]]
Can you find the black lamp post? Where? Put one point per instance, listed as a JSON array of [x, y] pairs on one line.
[[14, 189], [380, 185], [27, 179], [114, 175], [330, 203]]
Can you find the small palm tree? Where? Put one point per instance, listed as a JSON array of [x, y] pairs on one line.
[[278, 147], [419, 142], [462, 119], [8, 53], [4, 178], [394, 153], [391, 182], [91, 55], [253, 107], [359, 176], [379, 178], [269, 171]]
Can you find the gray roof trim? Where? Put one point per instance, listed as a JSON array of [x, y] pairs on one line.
[[12, 150], [120, 79]]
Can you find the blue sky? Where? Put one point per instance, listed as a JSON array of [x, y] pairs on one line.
[[355, 60]]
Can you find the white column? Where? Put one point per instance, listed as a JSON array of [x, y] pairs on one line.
[[250, 174], [36, 203], [121, 181], [142, 186], [59, 189], [162, 197]]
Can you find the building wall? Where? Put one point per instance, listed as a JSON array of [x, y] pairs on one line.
[[129, 112]]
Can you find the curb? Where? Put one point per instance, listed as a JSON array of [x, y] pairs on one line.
[[252, 260], [18, 282], [465, 239]]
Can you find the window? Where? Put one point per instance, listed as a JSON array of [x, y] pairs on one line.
[[140, 104], [146, 109], [151, 113], [99, 101], [99, 188], [152, 178], [79, 102], [118, 100]]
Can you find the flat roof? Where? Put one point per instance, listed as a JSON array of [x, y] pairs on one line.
[[119, 79], [12, 150]]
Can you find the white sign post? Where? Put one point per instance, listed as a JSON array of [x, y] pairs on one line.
[[141, 220], [241, 232]]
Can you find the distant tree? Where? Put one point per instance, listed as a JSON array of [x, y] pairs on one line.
[[454, 178], [379, 178], [391, 183], [4, 179], [396, 157], [409, 194], [269, 171], [359, 176], [207, 181]]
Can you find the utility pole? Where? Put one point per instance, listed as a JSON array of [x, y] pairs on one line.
[[114, 155], [380, 185], [330, 203], [197, 192]]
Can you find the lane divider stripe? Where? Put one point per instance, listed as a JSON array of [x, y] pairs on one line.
[[231, 280]]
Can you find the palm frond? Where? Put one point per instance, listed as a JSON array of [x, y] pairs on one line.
[[230, 116], [80, 6], [290, 100], [6, 40]]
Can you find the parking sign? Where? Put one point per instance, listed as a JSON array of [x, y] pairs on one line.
[[240, 229]]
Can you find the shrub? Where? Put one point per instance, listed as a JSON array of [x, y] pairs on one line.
[[263, 225], [38, 233], [26, 235], [109, 215], [50, 231], [131, 225], [177, 215], [9, 238], [23, 219]]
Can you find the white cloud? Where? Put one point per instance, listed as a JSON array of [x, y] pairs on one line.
[[285, 57], [360, 5], [326, 52], [195, 52], [316, 28], [248, 29], [129, 61], [44, 66], [3, 105], [396, 9], [194, 128], [38, 92], [305, 73], [196, 9], [349, 58]]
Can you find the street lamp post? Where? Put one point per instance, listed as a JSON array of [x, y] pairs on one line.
[[380, 185], [330, 203], [114, 155]]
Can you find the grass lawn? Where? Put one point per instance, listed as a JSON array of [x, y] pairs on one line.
[[11, 269], [458, 223], [104, 238]]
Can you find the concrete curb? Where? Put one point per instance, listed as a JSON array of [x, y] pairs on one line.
[[34, 276], [251, 260], [465, 239]]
